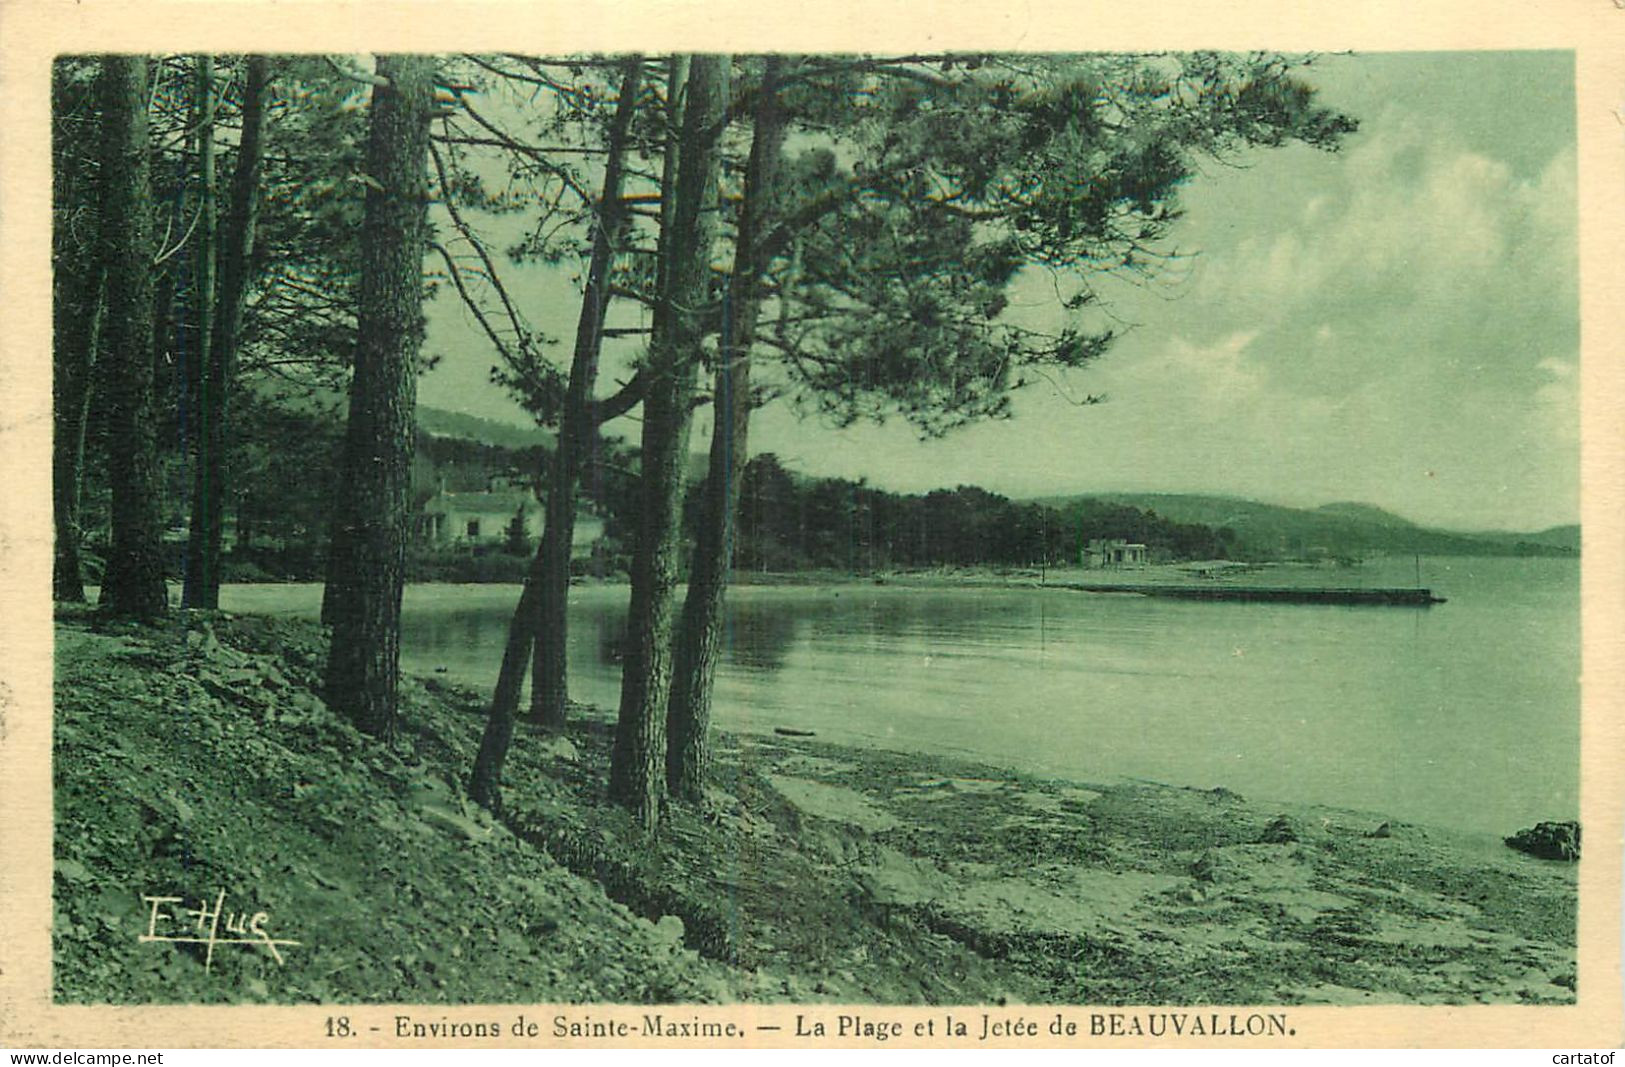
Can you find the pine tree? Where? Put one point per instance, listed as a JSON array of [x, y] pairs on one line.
[[579, 421], [364, 657], [699, 633], [220, 325], [638, 759], [76, 308], [133, 585]]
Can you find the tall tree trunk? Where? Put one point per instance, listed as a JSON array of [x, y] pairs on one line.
[[133, 585], [77, 326], [76, 312], [485, 784], [364, 655], [699, 633], [638, 764], [532, 614], [549, 679], [224, 328], [205, 411]]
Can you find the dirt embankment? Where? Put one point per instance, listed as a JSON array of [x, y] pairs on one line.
[[196, 758]]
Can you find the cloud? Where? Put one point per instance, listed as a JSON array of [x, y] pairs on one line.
[[1424, 260], [1408, 331]]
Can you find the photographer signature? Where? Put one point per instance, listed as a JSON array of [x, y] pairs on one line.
[[251, 929]]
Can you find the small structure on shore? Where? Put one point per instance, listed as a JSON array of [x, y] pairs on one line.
[[1114, 552], [481, 518], [488, 517]]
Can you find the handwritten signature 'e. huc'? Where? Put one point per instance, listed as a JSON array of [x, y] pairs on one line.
[[250, 928]]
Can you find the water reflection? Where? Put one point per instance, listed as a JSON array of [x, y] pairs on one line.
[[1464, 715], [453, 629], [759, 636]]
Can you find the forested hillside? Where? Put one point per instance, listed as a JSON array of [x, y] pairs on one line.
[[1271, 531], [790, 522]]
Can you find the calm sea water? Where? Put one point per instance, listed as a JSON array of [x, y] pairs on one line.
[[1463, 715]]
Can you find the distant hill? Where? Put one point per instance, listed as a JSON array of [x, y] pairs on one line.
[[1364, 513], [475, 428], [1341, 529], [1566, 538], [437, 422]]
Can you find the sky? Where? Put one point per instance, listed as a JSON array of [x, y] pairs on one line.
[[1396, 324]]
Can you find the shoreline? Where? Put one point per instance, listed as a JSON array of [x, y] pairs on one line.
[[1222, 572], [815, 872]]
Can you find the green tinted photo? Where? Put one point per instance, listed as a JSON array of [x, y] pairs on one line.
[[864, 529]]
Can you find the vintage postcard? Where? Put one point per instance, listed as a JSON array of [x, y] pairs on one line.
[[913, 525]]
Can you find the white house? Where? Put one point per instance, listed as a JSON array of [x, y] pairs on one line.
[[480, 518], [1114, 552], [483, 518]]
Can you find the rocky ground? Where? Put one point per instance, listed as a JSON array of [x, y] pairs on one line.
[[196, 758]]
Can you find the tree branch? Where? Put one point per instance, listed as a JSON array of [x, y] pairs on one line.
[[469, 301], [375, 80], [621, 401], [519, 328]]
